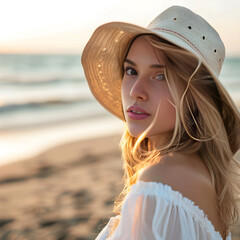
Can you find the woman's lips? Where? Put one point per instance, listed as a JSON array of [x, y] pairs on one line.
[[137, 113]]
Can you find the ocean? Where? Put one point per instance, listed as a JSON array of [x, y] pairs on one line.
[[45, 101]]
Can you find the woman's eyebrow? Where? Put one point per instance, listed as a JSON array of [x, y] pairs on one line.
[[152, 66]]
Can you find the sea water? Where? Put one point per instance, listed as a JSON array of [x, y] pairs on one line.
[[45, 100]]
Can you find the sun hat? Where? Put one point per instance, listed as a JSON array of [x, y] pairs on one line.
[[103, 55]]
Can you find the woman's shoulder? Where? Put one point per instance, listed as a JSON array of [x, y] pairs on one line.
[[177, 168], [185, 174]]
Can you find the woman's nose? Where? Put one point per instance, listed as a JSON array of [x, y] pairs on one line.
[[139, 89]]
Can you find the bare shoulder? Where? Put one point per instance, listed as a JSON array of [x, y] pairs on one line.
[[184, 174], [188, 175]]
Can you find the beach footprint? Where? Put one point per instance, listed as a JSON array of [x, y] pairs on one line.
[[81, 198]]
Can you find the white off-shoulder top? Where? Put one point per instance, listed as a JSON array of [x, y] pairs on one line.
[[154, 211]]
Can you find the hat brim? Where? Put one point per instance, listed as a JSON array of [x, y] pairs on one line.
[[104, 54]]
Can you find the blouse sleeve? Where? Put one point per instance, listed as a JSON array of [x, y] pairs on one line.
[[106, 230], [155, 211]]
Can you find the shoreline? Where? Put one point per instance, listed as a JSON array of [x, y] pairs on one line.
[[31, 142]]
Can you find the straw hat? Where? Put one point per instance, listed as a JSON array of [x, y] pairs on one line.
[[103, 56]]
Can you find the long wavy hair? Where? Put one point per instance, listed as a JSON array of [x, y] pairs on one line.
[[207, 123]]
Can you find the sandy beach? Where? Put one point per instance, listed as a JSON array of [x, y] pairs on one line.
[[66, 192]]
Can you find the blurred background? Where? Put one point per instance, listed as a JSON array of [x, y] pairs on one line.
[[54, 136]]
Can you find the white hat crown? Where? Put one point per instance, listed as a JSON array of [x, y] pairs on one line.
[[193, 30]]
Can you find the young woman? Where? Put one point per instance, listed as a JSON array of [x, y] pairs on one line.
[[182, 127]]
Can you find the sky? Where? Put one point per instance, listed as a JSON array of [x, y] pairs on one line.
[[64, 26]]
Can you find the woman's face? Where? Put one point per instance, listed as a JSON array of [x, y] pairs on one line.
[[143, 88]]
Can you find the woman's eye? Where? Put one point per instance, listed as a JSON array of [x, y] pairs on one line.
[[130, 71], [160, 77]]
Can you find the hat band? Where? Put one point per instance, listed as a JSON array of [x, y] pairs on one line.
[[167, 30]]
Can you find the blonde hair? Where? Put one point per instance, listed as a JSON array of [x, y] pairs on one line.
[[207, 123]]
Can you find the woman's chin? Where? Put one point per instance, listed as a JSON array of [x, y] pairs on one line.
[[136, 132]]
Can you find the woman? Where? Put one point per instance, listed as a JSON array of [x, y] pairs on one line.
[[182, 127]]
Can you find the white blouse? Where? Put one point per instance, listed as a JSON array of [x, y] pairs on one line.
[[154, 211]]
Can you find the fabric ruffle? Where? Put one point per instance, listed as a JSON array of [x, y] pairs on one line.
[[172, 196]]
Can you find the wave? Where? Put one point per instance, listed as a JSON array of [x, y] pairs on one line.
[[36, 105], [16, 79], [35, 115]]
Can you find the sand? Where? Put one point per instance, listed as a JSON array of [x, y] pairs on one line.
[[66, 192]]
